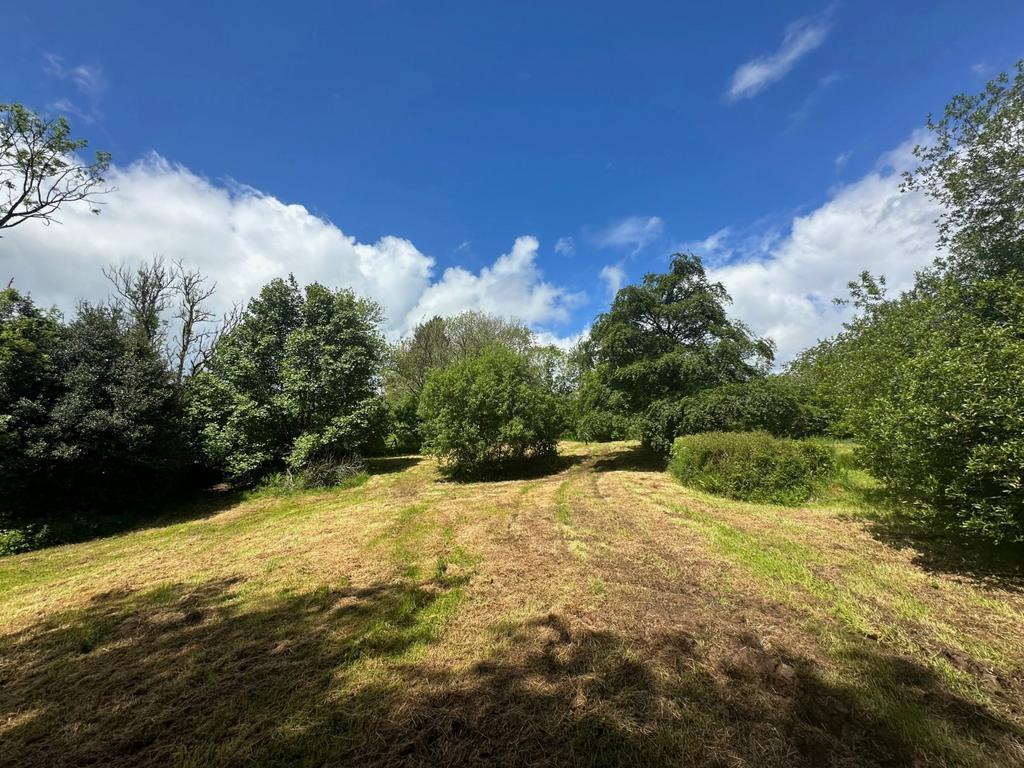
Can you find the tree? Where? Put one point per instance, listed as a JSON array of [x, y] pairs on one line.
[[434, 344], [295, 382], [146, 292], [670, 337], [40, 170], [89, 414], [974, 167], [487, 411]]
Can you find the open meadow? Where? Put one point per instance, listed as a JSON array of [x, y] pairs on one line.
[[600, 614]]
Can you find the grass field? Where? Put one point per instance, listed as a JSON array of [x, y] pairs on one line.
[[601, 614]]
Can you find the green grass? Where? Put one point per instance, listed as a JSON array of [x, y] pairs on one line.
[[601, 615]]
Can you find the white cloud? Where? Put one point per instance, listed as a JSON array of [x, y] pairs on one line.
[[842, 159], [544, 338], [243, 238], [614, 276], [754, 76], [633, 232], [511, 287], [869, 224], [565, 246]]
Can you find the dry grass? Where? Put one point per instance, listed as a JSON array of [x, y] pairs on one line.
[[601, 615]]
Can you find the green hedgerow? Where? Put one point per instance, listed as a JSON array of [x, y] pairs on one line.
[[751, 466]]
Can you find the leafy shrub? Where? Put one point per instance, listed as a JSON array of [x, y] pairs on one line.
[[488, 411], [779, 405], [25, 539], [948, 432], [599, 414], [751, 466], [930, 385]]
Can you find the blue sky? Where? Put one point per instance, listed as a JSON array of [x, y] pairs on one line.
[[622, 131]]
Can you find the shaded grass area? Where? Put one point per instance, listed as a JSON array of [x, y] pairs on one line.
[[179, 676], [598, 615]]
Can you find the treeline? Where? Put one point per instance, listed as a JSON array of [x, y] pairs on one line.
[[126, 402], [106, 411]]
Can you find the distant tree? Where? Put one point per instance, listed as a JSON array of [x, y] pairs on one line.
[[295, 382], [434, 344], [487, 411], [40, 170], [670, 337], [974, 167], [147, 292]]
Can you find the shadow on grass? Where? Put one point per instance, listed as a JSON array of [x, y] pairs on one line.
[[528, 469], [633, 459], [185, 676], [946, 552], [386, 465]]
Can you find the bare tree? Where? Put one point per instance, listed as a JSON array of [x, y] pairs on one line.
[[148, 291], [145, 293], [193, 293], [204, 351], [39, 170]]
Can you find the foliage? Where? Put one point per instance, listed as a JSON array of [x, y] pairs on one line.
[[39, 168], [434, 344], [779, 405], [294, 383], [931, 385], [974, 166], [88, 411], [488, 411], [929, 382], [751, 466], [599, 413], [670, 337], [325, 473]]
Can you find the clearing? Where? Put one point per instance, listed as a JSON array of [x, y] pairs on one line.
[[599, 615]]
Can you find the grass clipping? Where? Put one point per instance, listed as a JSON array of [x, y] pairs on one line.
[[752, 466]]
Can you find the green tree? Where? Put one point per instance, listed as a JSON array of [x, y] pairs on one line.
[[670, 337], [296, 381], [974, 166], [434, 344], [487, 411], [89, 416], [39, 167]]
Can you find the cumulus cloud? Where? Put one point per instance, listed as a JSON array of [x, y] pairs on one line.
[[869, 224], [565, 246], [512, 287], [566, 343], [633, 232], [242, 238], [801, 37]]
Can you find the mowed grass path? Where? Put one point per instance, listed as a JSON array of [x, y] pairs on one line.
[[598, 615]]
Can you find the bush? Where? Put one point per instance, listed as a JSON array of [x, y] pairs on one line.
[[930, 385], [487, 412], [751, 466], [775, 404]]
